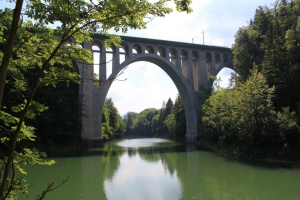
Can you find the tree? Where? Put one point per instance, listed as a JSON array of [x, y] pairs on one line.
[[169, 107], [170, 124], [115, 120], [167, 112], [34, 45], [112, 113], [143, 124], [243, 121], [107, 130], [155, 124], [130, 121], [272, 41], [161, 119], [180, 119]]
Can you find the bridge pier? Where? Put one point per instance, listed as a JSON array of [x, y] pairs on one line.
[[191, 141], [191, 137], [92, 143]]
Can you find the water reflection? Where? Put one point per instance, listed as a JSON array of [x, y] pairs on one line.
[[161, 169], [143, 172]]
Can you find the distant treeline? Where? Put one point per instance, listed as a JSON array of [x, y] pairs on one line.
[[168, 121]]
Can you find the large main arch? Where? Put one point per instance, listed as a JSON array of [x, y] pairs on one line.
[[185, 91], [188, 66]]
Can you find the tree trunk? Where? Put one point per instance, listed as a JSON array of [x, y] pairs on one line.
[[8, 49]]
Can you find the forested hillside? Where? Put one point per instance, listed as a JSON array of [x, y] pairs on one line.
[[168, 121], [259, 118]]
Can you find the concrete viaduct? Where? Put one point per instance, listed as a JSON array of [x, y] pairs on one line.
[[188, 65]]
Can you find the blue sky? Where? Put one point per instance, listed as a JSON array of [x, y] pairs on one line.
[[146, 85]]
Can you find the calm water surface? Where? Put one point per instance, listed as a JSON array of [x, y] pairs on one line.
[[160, 169]]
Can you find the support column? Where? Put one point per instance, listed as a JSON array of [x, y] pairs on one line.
[[213, 64], [129, 52], [116, 59], [191, 138], [87, 76], [187, 70], [202, 71], [103, 65], [178, 61]]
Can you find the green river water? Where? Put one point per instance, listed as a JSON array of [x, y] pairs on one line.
[[160, 169]]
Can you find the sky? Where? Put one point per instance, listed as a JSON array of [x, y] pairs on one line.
[[145, 85]]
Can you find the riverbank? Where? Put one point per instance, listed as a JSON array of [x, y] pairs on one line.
[[232, 154]]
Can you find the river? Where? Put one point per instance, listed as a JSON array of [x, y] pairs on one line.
[[160, 169]]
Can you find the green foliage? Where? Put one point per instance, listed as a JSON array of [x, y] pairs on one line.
[[180, 119], [244, 120], [214, 85], [140, 124], [130, 120], [106, 129], [169, 121], [271, 41], [34, 55], [143, 123], [261, 116], [53, 130], [112, 122]]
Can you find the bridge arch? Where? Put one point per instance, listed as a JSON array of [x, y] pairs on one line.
[[185, 91], [188, 65]]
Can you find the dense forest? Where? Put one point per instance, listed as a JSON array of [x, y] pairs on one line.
[[259, 118], [58, 127], [168, 121]]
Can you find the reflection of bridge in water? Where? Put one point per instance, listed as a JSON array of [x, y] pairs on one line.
[[188, 65]]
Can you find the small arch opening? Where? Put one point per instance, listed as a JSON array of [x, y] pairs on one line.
[[136, 49], [122, 54], [225, 58], [96, 50], [195, 55], [109, 61], [184, 54], [208, 57], [149, 49], [228, 78], [173, 56], [161, 51]]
